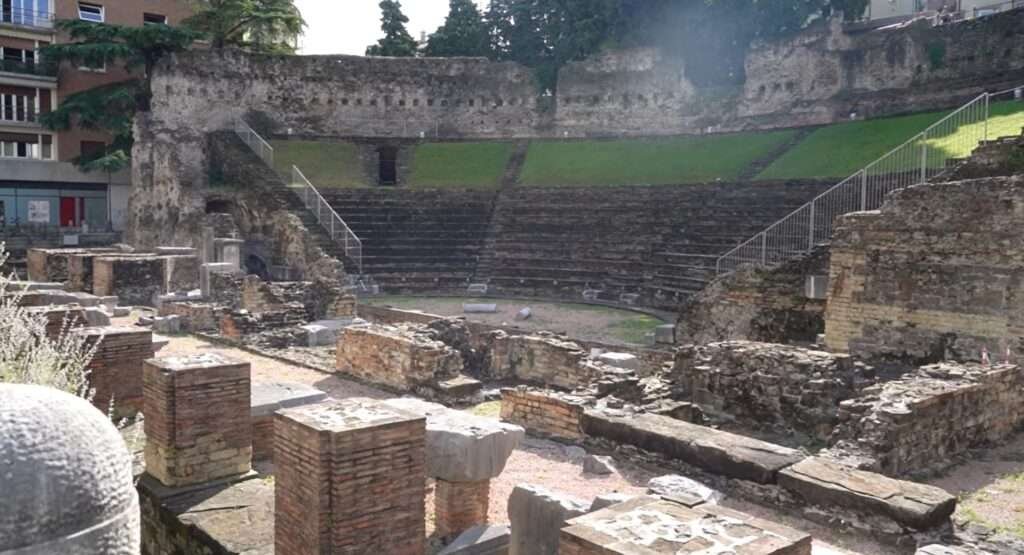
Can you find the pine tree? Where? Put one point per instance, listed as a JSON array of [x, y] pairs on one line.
[[463, 32], [271, 26], [397, 41]]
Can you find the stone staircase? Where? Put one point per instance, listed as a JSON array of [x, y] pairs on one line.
[[417, 241], [277, 194]]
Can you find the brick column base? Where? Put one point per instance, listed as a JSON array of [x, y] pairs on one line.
[[459, 506]]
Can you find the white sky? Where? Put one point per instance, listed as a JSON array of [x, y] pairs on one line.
[[349, 26]]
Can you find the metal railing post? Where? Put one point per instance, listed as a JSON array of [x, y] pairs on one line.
[[810, 229], [984, 136], [924, 158], [764, 248], [863, 190]]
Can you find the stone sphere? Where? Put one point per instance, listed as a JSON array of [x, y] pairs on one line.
[[66, 481]]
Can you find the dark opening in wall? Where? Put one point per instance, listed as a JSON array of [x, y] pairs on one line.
[[254, 265], [387, 161], [219, 206]]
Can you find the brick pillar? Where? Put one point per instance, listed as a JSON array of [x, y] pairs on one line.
[[459, 506], [197, 422], [115, 371], [349, 478]]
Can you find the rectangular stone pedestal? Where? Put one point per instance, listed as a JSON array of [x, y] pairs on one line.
[[654, 526], [459, 506], [350, 479], [197, 418]]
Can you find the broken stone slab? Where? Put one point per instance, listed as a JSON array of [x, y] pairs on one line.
[[121, 311], [651, 525], [537, 516], [167, 324], [665, 334], [36, 286], [524, 314], [96, 317], [608, 499], [479, 308], [683, 490], [601, 466], [176, 250], [268, 397], [459, 387], [620, 360], [826, 483], [480, 540], [462, 447], [722, 453], [324, 333], [159, 342]]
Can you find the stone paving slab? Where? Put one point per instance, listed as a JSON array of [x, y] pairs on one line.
[[652, 526], [826, 483], [719, 452]]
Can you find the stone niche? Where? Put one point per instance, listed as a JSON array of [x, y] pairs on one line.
[[935, 275], [402, 357], [919, 422], [778, 386]]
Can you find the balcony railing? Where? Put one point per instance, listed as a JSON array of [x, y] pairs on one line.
[[42, 69], [11, 114], [27, 18]]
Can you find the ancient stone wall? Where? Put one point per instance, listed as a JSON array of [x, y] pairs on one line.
[[115, 371], [920, 422], [770, 386], [934, 275], [543, 358], [543, 413], [403, 357], [758, 305]]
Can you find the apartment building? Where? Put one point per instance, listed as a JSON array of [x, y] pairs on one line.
[[38, 184]]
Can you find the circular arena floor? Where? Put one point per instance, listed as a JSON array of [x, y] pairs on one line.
[[578, 321]]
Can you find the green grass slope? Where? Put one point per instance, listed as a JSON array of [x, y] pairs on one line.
[[474, 165], [325, 163], [674, 160], [840, 150]]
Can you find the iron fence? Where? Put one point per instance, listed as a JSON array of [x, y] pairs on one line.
[[328, 218], [923, 157]]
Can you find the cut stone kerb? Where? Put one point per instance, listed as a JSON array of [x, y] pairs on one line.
[[463, 447]]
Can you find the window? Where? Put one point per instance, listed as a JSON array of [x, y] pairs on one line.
[[90, 12], [154, 19]]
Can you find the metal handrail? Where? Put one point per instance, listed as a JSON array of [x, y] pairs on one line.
[[912, 163], [258, 145], [335, 224]]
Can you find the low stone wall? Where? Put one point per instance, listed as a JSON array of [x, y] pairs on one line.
[[195, 316], [932, 276], [543, 413], [758, 305], [55, 265], [136, 280], [919, 422], [240, 324], [543, 358], [769, 385], [59, 317], [400, 357]]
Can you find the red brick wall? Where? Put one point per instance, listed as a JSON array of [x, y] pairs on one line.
[[197, 418], [115, 372], [459, 506], [542, 413]]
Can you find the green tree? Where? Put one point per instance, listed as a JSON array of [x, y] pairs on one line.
[[111, 108], [270, 26], [463, 33], [396, 41]]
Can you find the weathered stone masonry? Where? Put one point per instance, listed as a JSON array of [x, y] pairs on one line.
[[921, 285]]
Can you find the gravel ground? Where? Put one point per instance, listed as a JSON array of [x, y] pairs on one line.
[[536, 461], [586, 322]]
